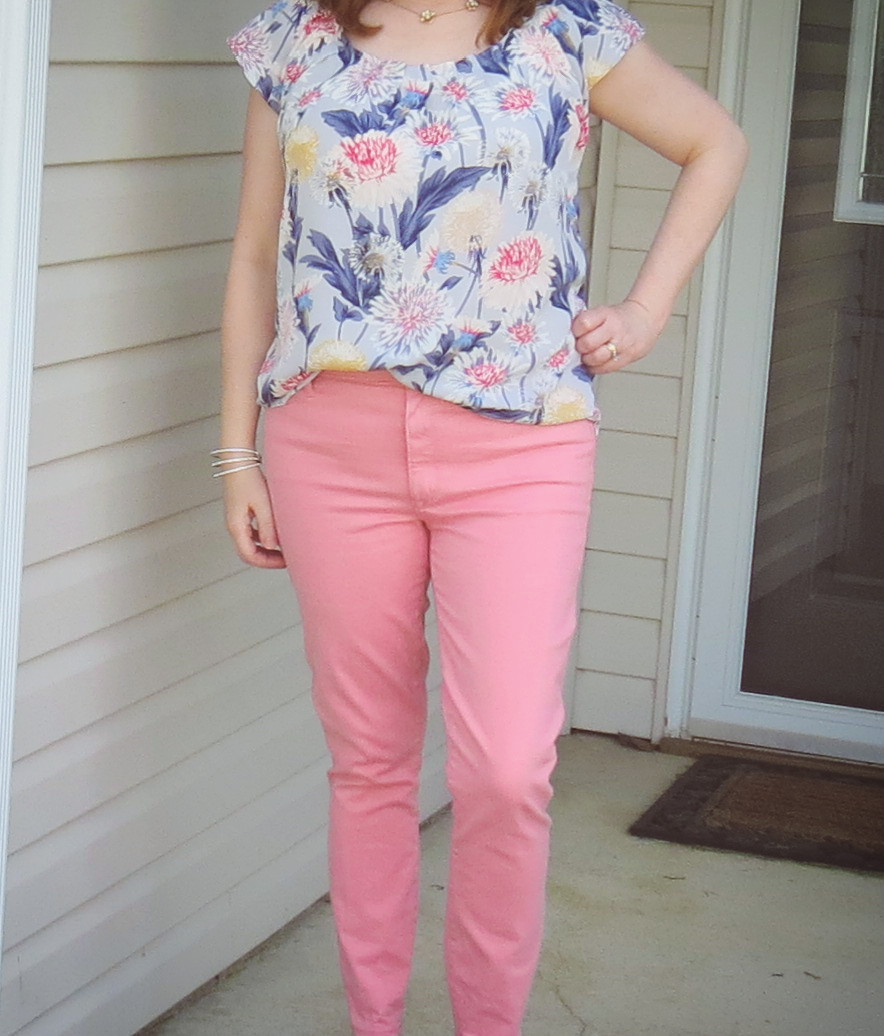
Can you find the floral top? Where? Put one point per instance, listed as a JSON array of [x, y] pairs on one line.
[[430, 221]]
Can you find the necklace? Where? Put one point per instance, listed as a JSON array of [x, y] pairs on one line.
[[428, 14]]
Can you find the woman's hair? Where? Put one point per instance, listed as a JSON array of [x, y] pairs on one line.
[[502, 16]]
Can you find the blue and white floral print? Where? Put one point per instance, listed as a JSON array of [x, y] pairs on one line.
[[430, 221]]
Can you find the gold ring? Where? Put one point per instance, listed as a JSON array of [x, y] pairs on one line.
[[613, 350]]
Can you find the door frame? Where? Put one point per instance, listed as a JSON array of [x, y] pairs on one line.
[[704, 699], [24, 54]]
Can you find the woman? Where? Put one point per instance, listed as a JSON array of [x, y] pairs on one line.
[[416, 324]]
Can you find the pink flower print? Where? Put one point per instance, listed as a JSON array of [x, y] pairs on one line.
[[309, 97], [519, 272], [583, 125], [543, 53], [295, 381], [517, 100], [320, 27], [629, 27], [435, 135], [559, 359], [250, 47], [486, 374], [293, 71], [523, 332], [382, 167], [456, 89]]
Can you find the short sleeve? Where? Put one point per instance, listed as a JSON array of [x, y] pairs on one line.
[[608, 32], [261, 47]]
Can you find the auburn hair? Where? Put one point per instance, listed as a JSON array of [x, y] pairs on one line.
[[502, 16]]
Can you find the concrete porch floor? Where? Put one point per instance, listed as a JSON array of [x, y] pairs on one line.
[[643, 937]]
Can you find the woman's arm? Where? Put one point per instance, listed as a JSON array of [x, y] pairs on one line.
[[652, 101], [247, 330], [247, 325]]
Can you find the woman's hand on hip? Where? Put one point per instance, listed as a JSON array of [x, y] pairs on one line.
[[609, 338], [250, 519]]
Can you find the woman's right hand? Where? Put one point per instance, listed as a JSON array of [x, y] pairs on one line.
[[250, 519]]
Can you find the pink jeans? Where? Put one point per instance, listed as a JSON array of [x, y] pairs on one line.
[[376, 489]]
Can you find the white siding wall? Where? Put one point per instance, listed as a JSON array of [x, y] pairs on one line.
[[169, 785], [628, 584]]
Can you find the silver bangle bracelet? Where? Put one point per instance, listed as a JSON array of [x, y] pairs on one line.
[[242, 467]]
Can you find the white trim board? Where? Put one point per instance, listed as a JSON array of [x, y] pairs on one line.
[[727, 423], [24, 57]]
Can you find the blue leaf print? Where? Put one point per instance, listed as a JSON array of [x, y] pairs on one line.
[[450, 282], [341, 278], [436, 190], [343, 312], [493, 60], [561, 282], [581, 373], [362, 226], [556, 128], [348, 123], [463, 65], [587, 11]]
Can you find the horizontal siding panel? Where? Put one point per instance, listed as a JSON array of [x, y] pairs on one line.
[[99, 400], [820, 104], [628, 524], [130, 484], [667, 356], [54, 786], [50, 967], [835, 239], [809, 198], [71, 596], [151, 819], [65, 690], [618, 644], [204, 943], [194, 32], [621, 584], [680, 32], [637, 214], [623, 267], [643, 403], [795, 422], [103, 305], [613, 704], [640, 464], [112, 208], [833, 280], [143, 111], [801, 375]]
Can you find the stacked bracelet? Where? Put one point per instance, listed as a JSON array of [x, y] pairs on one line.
[[243, 458]]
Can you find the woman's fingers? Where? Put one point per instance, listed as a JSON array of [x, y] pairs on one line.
[[610, 337], [250, 520]]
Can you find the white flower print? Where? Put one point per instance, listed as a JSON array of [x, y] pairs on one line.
[[379, 167], [519, 274], [316, 30], [251, 47], [510, 150], [479, 377], [543, 54], [369, 80], [377, 255], [409, 318], [441, 134], [471, 221], [530, 186]]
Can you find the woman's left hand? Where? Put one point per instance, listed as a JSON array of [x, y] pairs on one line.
[[627, 326]]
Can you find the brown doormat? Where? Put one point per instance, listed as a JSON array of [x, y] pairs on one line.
[[791, 812]]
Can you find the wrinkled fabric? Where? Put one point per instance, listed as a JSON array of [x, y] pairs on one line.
[[377, 490], [430, 222]]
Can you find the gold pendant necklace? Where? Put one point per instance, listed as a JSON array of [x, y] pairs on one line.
[[428, 14]]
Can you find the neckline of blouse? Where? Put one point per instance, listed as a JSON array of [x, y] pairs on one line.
[[344, 43]]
